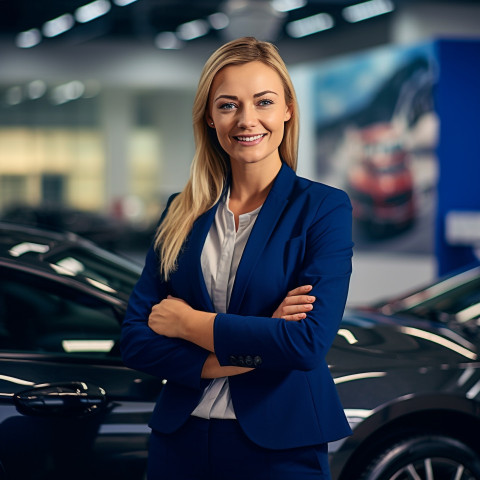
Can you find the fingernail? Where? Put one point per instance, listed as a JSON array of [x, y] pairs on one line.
[[311, 298]]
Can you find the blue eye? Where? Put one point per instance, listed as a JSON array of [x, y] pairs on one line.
[[227, 106], [265, 102]]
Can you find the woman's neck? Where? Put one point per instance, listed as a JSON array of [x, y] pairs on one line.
[[251, 184]]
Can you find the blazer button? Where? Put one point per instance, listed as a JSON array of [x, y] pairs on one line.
[[257, 361], [249, 361], [233, 359], [240, 361]]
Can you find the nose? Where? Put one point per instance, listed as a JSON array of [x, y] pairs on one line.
[[247, 117]]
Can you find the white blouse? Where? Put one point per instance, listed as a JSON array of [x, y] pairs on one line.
[[220, 258]]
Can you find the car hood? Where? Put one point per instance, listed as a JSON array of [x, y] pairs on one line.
[[369, 341]]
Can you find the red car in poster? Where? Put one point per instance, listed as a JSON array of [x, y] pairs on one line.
[[381, 183]]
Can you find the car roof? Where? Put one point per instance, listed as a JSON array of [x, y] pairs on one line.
[[13, 235], [32, 230]]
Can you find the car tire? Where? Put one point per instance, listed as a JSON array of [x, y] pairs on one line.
[[425, 457]]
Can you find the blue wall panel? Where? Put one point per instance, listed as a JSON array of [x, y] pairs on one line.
[[457, 99]]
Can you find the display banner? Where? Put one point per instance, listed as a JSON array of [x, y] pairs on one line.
[[376, 133], [398, 127]]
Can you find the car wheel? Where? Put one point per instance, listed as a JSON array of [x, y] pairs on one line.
[[426, 457]]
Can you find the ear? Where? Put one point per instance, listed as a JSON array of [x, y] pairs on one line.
[[209, 120], [288, 113]]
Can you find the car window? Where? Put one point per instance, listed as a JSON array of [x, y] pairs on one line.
[[450, 295], [38, 315], [111, 271], [452, 301]]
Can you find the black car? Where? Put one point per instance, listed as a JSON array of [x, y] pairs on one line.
[[407, 372], [68, 407], [408, 375]]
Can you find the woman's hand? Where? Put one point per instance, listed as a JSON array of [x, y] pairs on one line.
[[296, 304], [169, 317], [173, 317], [294, 307]]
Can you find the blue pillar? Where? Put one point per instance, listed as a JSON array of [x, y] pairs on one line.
[[457, 99]]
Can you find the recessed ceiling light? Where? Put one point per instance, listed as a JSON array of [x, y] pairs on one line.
[[310, 25], [123, 3], [36, 89], [58, 25], [287, 5], [193, 29], [68, 92], [168, 41], [92, 10], [366, 10], [29, 38], [218, 20], [14, 95]]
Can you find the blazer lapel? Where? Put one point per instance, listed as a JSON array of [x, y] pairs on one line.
[[190, 262], [267, 218]]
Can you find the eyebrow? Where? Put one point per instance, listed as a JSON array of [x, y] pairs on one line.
[[256, 95]]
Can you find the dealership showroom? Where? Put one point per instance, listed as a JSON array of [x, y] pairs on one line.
[[96, 135]]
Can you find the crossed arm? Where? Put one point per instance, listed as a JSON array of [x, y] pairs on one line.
[[173, 317]]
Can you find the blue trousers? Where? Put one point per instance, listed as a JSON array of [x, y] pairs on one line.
[[219, 450]]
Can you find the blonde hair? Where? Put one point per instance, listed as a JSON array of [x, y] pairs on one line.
[[210, 165]]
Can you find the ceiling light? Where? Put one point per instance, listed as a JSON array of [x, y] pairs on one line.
[[28, 39], [14, 96], [365, 10], [168, 41], [123, 3], [58, 25], [193, 29], [36, 89], [67, 92], [91, 11], [310, 25], [287, 5], [218, 21]]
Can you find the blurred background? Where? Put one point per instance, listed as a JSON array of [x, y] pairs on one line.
[[95, 117]]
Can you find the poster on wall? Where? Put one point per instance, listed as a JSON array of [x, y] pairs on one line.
[[376, 132]]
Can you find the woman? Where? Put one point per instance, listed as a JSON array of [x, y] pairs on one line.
[[243, 292]]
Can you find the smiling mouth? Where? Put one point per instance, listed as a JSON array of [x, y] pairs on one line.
[[251, 138]]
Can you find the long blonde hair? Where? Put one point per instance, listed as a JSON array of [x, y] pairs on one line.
[[210, 166]]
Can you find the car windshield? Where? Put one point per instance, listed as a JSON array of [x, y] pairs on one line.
[[457, 296], [103, 270]]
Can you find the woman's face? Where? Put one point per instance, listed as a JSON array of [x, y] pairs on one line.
[[248, 109]]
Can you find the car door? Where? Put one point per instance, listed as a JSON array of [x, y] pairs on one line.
[[68, 406]]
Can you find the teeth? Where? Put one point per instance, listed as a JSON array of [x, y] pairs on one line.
[[249, 139]]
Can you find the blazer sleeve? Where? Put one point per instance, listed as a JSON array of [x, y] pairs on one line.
[[277, 344], [142, 349]]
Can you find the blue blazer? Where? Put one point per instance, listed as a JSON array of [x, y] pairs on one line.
[[302, 236]]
